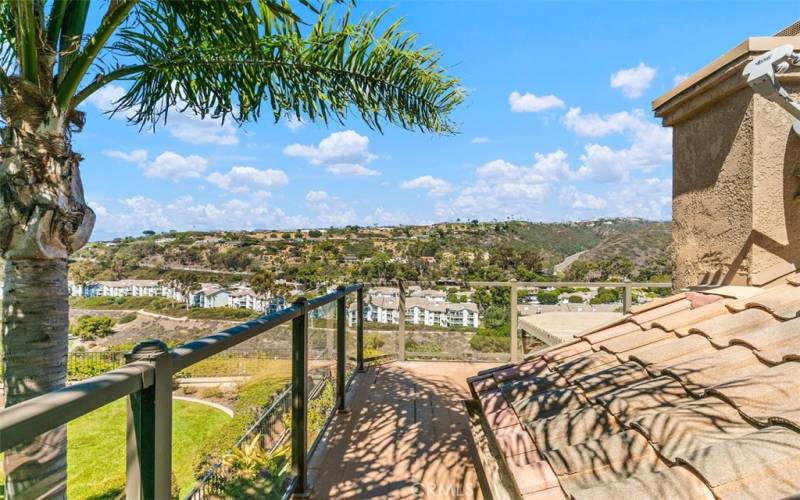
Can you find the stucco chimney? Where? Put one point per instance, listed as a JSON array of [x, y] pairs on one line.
[[735, 205]]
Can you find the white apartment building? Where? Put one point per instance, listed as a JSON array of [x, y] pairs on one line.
[[210, 295], [423, 307]]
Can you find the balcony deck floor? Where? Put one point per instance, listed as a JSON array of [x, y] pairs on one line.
[[407, 436]]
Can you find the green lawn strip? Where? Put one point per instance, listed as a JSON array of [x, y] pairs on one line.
[[161, 305], [222, 366], [96, 447]]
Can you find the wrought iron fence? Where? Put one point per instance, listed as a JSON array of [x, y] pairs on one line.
[[270, 428]]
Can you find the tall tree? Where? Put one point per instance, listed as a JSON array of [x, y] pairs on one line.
[[218, 59], [263, 285], [186, 284]]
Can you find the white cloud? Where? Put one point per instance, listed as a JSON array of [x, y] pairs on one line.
[[330, 210], [293, 123], [350, 169], [679, 78], [650, 144], [105, 97], [169, 165], [133, 156], [593, 125], [633, 81], [552, 166], [531, 103], [242, 178], [577, 200], [501, 189], [434, 186], [341, 153], [190, 127], [316, 196], [135, 214], [480, 140], [649, 198], [187, 125]]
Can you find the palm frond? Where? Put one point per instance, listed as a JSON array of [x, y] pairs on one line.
[[225, 59]]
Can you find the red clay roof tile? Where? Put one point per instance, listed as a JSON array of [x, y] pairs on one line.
[[695, 390], [762, 464], [783, 301], [610, 458], [692, 316], [566, 351], [630, 341], [534, 474], [610, 333], [548, 403], [514, 440], [689, 428], [657, 303], [586, 364], [698, 300], [534, 367], [646, 318], [720, 329], [572, 427], [675, 482]]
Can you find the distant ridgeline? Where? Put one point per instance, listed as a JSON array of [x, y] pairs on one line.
[[624, 248]]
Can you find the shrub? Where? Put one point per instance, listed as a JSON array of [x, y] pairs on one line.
[[548, 296], [251, 472], [211, 392], [575, 299], [80, 368], [372, 345], [414, 346], [90, 327], [605, 296], [126, 319], [488, 343], [254, 395]]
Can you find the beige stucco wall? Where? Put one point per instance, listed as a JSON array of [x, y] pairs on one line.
[[776, 207], [736, 219], [736, 160], [711, 202]]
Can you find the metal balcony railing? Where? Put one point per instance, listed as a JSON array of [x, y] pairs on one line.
[[146, 380], [514, 286]]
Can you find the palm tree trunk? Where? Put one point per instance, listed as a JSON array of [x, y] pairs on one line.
[[35, 317]]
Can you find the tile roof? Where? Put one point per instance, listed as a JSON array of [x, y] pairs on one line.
[[693, 396]]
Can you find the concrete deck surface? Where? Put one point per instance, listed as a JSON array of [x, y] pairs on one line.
[[407, 436]]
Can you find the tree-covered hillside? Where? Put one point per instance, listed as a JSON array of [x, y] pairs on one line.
[[620, 248]]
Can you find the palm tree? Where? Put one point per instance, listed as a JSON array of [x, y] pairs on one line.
[[220, 59]]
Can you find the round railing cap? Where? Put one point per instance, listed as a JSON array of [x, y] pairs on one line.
[[148, 347]]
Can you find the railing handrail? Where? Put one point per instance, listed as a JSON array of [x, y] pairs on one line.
[[197, 350], [24, 421], [526, 284]]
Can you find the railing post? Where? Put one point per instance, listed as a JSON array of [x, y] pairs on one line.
[[149, 428], [299, 396], [514, 340], [627, 299], [360, 330], [341, 314], [401, 332]]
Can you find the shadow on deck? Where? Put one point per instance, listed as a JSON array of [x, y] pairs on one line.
[[407, 436]]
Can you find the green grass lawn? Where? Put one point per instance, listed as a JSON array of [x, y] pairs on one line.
[[96, 448]]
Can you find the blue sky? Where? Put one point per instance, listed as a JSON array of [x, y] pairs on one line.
[[557, 126]]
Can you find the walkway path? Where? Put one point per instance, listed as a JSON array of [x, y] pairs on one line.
[[407, 436]]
